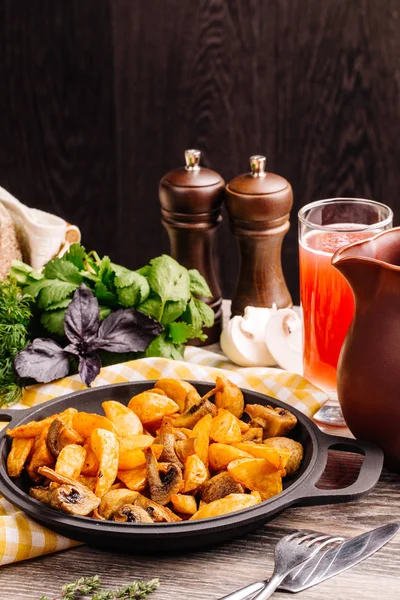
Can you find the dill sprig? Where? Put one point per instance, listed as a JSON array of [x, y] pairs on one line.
[[15, 316], [91, 586]]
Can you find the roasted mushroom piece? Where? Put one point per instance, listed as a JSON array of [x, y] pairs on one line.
[[112, 501], [60, 435], [166, 437], [219, 486], [295, 449], [162, 485], [158, 513], [274, 421], [70, 495], [196, 412], [129, 513]]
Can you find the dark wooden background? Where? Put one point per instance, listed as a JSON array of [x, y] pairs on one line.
[[99, 98]]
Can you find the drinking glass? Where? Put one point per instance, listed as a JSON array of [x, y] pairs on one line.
[[326, 298]]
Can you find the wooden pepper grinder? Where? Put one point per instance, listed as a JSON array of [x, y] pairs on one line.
[[191, 199], [259, 206]]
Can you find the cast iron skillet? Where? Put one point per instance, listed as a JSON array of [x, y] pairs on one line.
[[143, 538]]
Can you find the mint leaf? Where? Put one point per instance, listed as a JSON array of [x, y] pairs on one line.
[[56, 291], [103, 294], [173, 310], [163, 347], [106, 272], [205, 311], [60, 304], [34, 289], [151, 306], [54, 321], [198, 285], [180, 332], [169, 279], [63, 270], [76, 255], [135, 292]]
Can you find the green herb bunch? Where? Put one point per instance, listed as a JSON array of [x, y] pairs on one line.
[[163, 290], [91, 587], [15, 317]]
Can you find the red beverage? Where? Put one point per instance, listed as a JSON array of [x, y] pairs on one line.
[[327, 302]]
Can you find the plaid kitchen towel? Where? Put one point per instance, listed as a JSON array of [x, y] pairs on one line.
[[22, 538]]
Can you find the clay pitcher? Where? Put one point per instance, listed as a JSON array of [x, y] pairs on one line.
[[368, 375]]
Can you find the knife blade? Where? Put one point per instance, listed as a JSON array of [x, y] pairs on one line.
[[327, 564]]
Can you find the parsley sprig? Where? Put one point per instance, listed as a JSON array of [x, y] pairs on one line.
[[91, 587]]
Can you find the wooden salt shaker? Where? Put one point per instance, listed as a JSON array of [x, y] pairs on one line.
[[259, 206], [191, 199]]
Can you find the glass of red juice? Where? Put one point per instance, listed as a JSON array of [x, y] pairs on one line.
[[326, 297]]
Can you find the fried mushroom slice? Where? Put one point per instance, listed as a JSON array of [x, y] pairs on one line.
[[274, 421], [158, 513], [60, 435], [219, 486], [196, 412], [70, 495], [162, 485], [295, 449], [166, 437], [112, 501], [129, 513]]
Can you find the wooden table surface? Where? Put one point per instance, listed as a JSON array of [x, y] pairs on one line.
[[212, 573]]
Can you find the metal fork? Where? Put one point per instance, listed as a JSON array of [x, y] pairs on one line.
[[291, 552]]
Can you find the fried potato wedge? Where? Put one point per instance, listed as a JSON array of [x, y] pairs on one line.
[[151, 407], [257, 474], [70, 461], [253, 434], [40, 457], [91, 464], [131, 459], [284, 446], [134, 479], [177, 389], [219, 486], [125, 421], [89, 482], [225, 428], [105, 446], [185, 448], [195, 474], [18, 455], [134, 442], [186, 505], [220, 455], [85, 423], [201, 433], [59, 435], [278, 458], [229, 396], [35, 428], [228, 504]]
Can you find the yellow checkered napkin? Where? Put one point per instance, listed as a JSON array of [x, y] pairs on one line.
[[22, 538]]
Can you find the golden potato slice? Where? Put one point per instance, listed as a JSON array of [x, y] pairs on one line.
[[18, 455], [253, 434], [225, 428], [125, 421], [151, 407], [229, 504], [85, 423], [89, 482], [41, 457], [134, 442], [274, 421], [195, 473], [201, 433], [185, 505], [177, 389], [105, 446], [220, 455], [70, 461], [185, 448], [35, 428], [277, 457], [91, 464], [284, 446], [229, 396], [134, 479], [131, 459], [257, 474]]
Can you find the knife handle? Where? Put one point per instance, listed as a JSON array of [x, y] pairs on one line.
[[368, 477]]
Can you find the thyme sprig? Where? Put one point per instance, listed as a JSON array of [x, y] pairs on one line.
[[91, 587]]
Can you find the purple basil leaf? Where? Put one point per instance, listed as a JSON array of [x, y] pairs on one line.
[[127, 330], [89, 368], [42, 360], [82, 319]]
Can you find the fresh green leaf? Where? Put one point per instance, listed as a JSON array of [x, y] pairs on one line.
[[106, 272], [198, 285], [103, 294], [54, 321], [58, 290], [60, 304], [161, 346], [173, 310], [63, 270], [23, 273], [193, 316], [169, 279], [136, 292], [206, 312], [180, 332], [34, 289], [145, 271], [88, 276], [123, 277], [76, 255], [104, 312], [152, 306]]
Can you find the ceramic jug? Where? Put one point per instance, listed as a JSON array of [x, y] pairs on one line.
[[368, 376]]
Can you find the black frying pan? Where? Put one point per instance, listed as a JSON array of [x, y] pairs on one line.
[[139, 538]]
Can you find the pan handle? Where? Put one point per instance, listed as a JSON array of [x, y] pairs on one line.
[[11, 414], [368, 476]]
